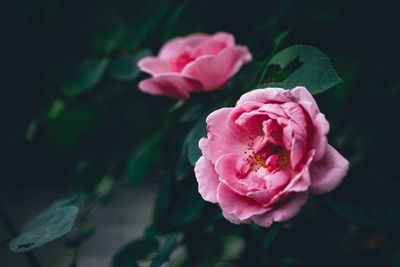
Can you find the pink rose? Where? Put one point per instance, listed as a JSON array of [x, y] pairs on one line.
[[264, 156], [195, 63]]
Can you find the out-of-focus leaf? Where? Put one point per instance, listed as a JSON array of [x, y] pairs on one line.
[[174, 19], [77, 239], [74, 200], [125, 68], [272, 233], [279, 39], [187, 203], [191, 144], [63, 130], [316, 73], [165, 251], [45, 227], [141, 160], [87, 75], [363, 214], [56, 108], [143, 25], [109, 36], [133, 251]]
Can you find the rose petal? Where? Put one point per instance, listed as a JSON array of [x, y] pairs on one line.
[[177, 45], [266, 95], [220, 138], [215, 71], [234, 219], [319, 140], [228, 169], [283, 213], [154, 65], [328, 173], [170, 84], [240, 206], [207, 179]]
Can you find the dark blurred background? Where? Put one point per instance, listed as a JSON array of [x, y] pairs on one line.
[[56, 140]]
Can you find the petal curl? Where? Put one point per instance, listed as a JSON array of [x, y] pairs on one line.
[[220, 138], [207, 179], [240, 206], [154, 65], [266, 95], [285, 212], [328, 173], [215, 71], [170, 84]]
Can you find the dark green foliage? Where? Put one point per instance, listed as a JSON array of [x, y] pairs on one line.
[[133, 251], [315, 73], [87, 74], [77, 239], [165, 251], [45, 227], [141, 160]]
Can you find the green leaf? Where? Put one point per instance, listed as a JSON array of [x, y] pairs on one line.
[[133, 251], [367, 215], [316, 73], [143, 25], [165, 251], [141, 161], [87, 75], [45, 227], [272, 233], [173, 21], [125, 68], [77, 239], [191, 143], [109, 36], [73, 200], [187, 203]]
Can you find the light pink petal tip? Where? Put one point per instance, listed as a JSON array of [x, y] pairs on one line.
[[170, 84], [207, 179], [154, 65], [175, 46], [328, 172]]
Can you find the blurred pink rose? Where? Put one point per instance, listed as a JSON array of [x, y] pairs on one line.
[[264, 156], [195, 63]]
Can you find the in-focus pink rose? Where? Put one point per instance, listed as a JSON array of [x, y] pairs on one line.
[[264, 156], [195, 63]]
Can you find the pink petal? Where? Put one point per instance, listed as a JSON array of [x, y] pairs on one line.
[[302, 96], [285, 212], [319, 140], [328, 173], [240, 206], [224, 37], [267, 95], [220, 138], [177, 45], [300, 180], [234, 219], [171, 84], [207, 179], [228, 169], [215, 71], [153, 65]]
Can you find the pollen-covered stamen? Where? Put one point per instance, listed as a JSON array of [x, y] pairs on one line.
[[258, 156]]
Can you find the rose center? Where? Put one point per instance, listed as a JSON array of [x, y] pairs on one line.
[[181, 61], [268, 156]]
